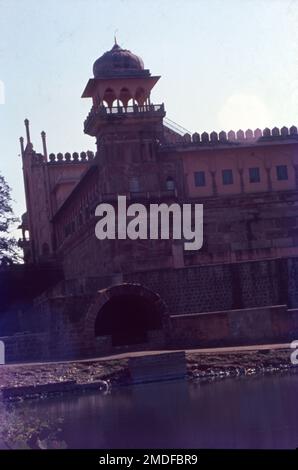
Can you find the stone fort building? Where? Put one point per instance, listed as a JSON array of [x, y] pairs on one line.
[[240, 288]]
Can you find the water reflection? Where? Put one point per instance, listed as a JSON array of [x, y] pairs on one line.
[[248, 412]]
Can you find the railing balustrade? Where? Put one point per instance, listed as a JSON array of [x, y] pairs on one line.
[[122, 110]]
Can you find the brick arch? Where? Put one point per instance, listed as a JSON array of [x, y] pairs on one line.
[[126, 289]]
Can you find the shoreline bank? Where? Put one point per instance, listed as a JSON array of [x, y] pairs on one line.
[[22, 381]]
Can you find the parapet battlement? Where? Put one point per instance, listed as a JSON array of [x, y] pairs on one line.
[[71, 157], [240, 136]]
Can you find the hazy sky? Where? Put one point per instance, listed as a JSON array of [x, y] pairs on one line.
[[224, 64]]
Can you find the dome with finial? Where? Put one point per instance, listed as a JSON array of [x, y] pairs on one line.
[[118, 62]]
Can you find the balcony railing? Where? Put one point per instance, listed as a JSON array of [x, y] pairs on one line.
[[148, 108], [135, 110]]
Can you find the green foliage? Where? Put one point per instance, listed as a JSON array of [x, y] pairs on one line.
[[9, 252], [23, 427]]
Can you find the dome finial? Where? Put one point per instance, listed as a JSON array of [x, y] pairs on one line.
[[117, 61], [115, 38]]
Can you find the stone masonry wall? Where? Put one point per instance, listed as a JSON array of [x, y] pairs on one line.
[[223, 287], [237, 228], [266, 325], [239, 297]]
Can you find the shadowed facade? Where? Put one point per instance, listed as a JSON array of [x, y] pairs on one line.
[[247, 182]]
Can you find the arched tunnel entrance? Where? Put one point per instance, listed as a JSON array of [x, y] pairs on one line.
[[128, 315]]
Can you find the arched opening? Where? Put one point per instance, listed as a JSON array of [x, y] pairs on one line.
[[109, 96], [125, 96], [140, 96], [127, 318]]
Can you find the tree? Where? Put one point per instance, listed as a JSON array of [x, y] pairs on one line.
[[9, 252]]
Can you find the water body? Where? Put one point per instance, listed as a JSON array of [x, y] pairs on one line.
[[247, 412]]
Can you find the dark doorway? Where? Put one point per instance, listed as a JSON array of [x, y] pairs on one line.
[[127, 318]]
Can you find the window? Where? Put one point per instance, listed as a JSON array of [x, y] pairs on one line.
[[170, 184], [254, 175], [282, 172], [200, 178], [134, 186], [227, 176]]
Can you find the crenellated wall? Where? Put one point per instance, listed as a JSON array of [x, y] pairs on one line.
[[71, 157], [249, 136], [65, 171]]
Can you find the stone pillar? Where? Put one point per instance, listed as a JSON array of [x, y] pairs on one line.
[[27, 130], [186, 186], [44, 145], [22, 145], [269, 181], [241, 180], [214, 187]]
